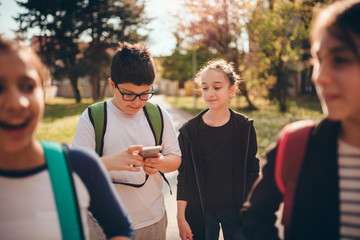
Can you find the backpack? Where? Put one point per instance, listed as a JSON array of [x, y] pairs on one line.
[[289, 158], [98, 117], [62, 182]]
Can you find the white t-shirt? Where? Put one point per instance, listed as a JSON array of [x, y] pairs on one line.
[[28, 209], [349, 183], [145, 205]]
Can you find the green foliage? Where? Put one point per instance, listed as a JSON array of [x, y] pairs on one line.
[[276, 35], [179, 66], [59, 31], [107, 23], [64, 24]]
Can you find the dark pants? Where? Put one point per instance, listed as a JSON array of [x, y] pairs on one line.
[[230, 225]]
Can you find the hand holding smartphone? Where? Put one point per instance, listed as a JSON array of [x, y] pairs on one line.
[[150, 152]]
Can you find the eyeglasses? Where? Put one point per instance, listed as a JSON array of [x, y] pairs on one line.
[[132, 96]]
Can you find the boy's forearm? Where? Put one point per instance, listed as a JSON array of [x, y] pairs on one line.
[[172, 163]]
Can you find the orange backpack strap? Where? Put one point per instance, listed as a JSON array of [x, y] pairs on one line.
[[289, 157]]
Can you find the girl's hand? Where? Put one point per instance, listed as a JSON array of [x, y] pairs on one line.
[[185, 232]]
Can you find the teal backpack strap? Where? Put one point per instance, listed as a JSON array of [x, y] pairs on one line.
[[64, 191], [98, 117], [155, 119]]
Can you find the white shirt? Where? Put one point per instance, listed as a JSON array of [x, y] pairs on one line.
[[145, 205], [349, 183], [28, 209]]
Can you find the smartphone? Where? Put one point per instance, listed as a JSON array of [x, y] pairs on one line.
[[149, 152]]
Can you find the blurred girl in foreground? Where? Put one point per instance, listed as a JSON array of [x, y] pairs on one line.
[[327, 198], [27, 206]]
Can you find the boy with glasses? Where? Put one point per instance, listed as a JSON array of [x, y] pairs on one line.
[[127, 132]]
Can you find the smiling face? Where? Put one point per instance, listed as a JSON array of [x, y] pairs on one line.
[[128, 107], [336, 76], [21, 100], [216, 89]]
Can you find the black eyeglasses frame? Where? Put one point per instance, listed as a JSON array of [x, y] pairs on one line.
[[151, 93]]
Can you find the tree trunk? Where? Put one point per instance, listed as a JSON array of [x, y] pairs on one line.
[[282, 102], [282, 94], [74, 80], [106, 85], [244, 92], [95, 87], [234, 57], [282, 105]]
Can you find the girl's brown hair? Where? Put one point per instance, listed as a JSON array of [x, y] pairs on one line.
[[340, 20], [9, 46], [222, 66]]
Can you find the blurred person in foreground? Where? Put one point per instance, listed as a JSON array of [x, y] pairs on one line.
[[28, 208], [326, 202]]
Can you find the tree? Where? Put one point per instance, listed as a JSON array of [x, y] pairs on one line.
[[64, 24], [107, 23], [276, 35], [218, 25], [56, 37], [307, 11], [179, 66]]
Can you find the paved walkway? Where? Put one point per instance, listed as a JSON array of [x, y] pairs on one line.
[[179, 117]]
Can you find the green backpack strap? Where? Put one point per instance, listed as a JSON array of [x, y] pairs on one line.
[[156, 121], [64, 191], [98, 117]]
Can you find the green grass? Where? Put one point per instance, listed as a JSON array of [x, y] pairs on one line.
[[267, 119], [60, 119]]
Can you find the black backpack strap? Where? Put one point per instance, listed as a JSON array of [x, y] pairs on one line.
[[133, 184], [167, 181]]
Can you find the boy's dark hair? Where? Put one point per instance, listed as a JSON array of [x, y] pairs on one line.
[[132, 63]]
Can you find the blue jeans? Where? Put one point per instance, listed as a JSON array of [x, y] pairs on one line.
[[230, 224]]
